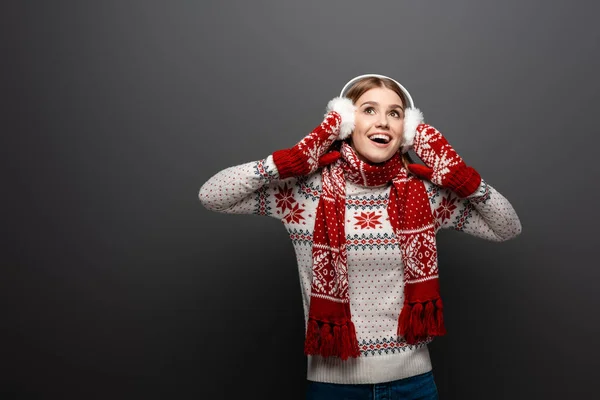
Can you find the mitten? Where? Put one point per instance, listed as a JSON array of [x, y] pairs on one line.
[[329, 158], [443, 166], [305, 157]]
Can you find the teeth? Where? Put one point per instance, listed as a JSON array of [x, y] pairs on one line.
[[385, 138]]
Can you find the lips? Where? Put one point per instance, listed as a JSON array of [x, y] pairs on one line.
[[380, 139]]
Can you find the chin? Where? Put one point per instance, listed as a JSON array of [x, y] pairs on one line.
[[373, 155]]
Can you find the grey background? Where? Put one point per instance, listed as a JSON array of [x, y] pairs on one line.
[[116, 283]]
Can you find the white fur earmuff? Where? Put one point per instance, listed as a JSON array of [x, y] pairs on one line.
[[413, 117], [344, 107]]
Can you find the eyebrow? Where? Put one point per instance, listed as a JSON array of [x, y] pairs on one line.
[[376, 103]]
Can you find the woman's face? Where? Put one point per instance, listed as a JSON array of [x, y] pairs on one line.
[[379, 125]]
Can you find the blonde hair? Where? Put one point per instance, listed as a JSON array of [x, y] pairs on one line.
[[363, 85]]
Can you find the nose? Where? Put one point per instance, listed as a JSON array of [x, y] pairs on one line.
[[382, 122]]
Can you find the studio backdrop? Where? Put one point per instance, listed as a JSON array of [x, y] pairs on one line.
[[117, 283]]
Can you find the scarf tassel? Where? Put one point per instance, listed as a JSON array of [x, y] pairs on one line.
[[331, 340], [419, 320]]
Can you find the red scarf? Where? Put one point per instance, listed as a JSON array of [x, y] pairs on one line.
[[330, 330]]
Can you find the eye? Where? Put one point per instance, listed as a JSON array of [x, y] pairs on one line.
[[395, 114], [370, 110]]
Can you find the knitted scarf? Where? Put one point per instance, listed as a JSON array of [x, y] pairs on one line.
[[330, 331]]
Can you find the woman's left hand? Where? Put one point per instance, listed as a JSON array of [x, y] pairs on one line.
[[443, 166]]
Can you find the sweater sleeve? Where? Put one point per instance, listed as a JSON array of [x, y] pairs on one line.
[[251, 188], [485, 214]]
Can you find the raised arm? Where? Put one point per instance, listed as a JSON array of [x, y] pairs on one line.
[[460, 199], [256, 187], [249, 188], [486, 213]]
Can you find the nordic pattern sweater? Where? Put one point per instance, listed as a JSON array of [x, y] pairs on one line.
[[375, 268]]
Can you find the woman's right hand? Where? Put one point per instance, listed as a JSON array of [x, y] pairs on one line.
[[307, 155]]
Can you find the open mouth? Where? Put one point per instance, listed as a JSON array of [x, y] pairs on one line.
[[380, 138]]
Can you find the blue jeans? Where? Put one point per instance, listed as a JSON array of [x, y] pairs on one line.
[[418, 387]]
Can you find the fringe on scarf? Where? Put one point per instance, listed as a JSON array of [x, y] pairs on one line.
[[327, 340], [419, 320]]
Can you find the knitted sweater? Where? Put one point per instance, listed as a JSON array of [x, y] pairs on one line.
[[375, 268]]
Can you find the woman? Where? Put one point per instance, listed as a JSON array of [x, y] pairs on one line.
[[363, 218]]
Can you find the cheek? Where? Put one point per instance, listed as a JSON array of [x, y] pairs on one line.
[[360, 124], [399, 127], [359, 133]]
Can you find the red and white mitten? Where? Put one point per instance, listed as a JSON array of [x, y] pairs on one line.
[[307, 155], [443, 166]]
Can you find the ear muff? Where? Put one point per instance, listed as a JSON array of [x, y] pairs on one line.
[[413, 117]]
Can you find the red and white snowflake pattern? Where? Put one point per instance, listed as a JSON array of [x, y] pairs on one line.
[[368, 220], [294, 215], [284, 198], [446, 207]]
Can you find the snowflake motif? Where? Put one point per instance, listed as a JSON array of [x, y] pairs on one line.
[[341, 271], [320, 271], [285, 198], [419, 249], [295, 214], [446, 207], [312, 154], [441, 157], [442, 164], [368, 220]]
